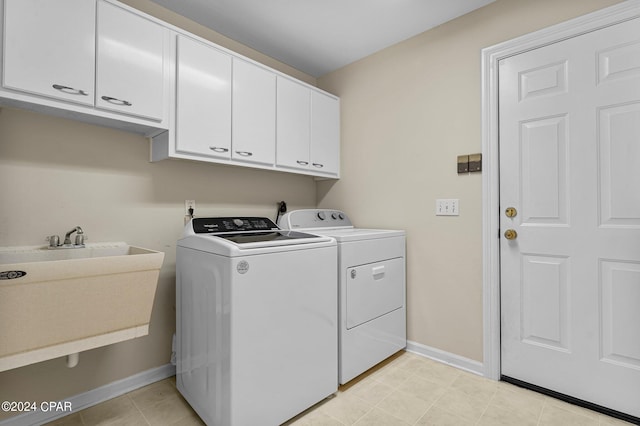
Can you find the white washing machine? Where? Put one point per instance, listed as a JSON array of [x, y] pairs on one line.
[[372, 288], [256, 324]]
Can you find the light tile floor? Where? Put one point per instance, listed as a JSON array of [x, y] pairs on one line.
[[404, 390]]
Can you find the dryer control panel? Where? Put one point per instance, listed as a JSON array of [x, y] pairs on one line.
[[315, 218]]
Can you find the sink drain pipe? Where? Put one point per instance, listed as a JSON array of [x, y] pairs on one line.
[[72, 359]]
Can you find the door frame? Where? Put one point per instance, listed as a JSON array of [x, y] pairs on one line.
[[490, 151]]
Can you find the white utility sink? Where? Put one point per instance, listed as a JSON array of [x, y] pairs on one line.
[[57, 302]]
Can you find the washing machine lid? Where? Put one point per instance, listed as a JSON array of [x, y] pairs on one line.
[[242, 238], [234, 234]]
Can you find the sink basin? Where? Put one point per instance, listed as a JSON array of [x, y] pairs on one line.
[[63, 301]]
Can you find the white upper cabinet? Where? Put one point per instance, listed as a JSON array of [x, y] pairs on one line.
[[104, 62], [325, 133], [203, 100], [254, 113], [293, 124], [130, 59], [49, 48], [308, 129]]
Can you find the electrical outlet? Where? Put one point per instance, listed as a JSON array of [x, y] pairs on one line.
[[189, 204], [447, 207]]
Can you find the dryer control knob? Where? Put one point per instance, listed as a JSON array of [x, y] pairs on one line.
[[334, 216], [238, 222], [321, 216]]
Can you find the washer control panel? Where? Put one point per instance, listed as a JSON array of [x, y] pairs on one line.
[[208, 225], [314, 218]]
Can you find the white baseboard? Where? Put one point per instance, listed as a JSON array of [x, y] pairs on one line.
[[466, 364], [94, 396]]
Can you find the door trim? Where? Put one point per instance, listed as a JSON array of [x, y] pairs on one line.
[[490, 151]]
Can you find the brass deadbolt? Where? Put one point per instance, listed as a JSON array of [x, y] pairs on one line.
[[510, 234], [511, 212]]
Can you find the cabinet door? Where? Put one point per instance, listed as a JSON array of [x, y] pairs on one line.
[[293, 121], [325, 133], [49, 48], [203, 108], [130, 59], [254, 113]]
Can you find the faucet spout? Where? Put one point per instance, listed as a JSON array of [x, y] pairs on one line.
[[67, 236]]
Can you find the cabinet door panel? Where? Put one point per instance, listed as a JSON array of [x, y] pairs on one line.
[[49, 48], [254, 113], [203, 109], [293, 122], [130, 57], [325, 133]]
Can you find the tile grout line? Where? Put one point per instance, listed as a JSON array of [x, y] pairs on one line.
[[370, 410], [495, 392], [333, 418], [544, 406], [393, 415], [394, 389], [412, 374], [430, 407], [446, 388], [139, 410]]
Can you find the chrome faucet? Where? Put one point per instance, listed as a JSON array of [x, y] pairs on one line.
[[54, 240], [79, 236]]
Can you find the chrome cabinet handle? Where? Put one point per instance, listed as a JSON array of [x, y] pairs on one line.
[[116, 101], [318, 165], [218, 149], [69, 90], [302, 163], [244, 153]]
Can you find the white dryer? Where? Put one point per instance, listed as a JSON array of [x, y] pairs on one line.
[[256, 323], [372, 287]]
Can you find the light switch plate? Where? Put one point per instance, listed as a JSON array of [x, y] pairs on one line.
[[447, 207]]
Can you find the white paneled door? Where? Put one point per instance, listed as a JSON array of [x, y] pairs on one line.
[[570, 245]]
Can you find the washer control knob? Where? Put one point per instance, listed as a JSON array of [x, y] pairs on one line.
[[238, 222], [341, 216], [334, 215], [321, 216]]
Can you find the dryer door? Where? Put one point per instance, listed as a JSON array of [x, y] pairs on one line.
[[373, 290]]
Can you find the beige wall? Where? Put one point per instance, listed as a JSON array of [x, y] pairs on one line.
[[407, 112], [56, 174]]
